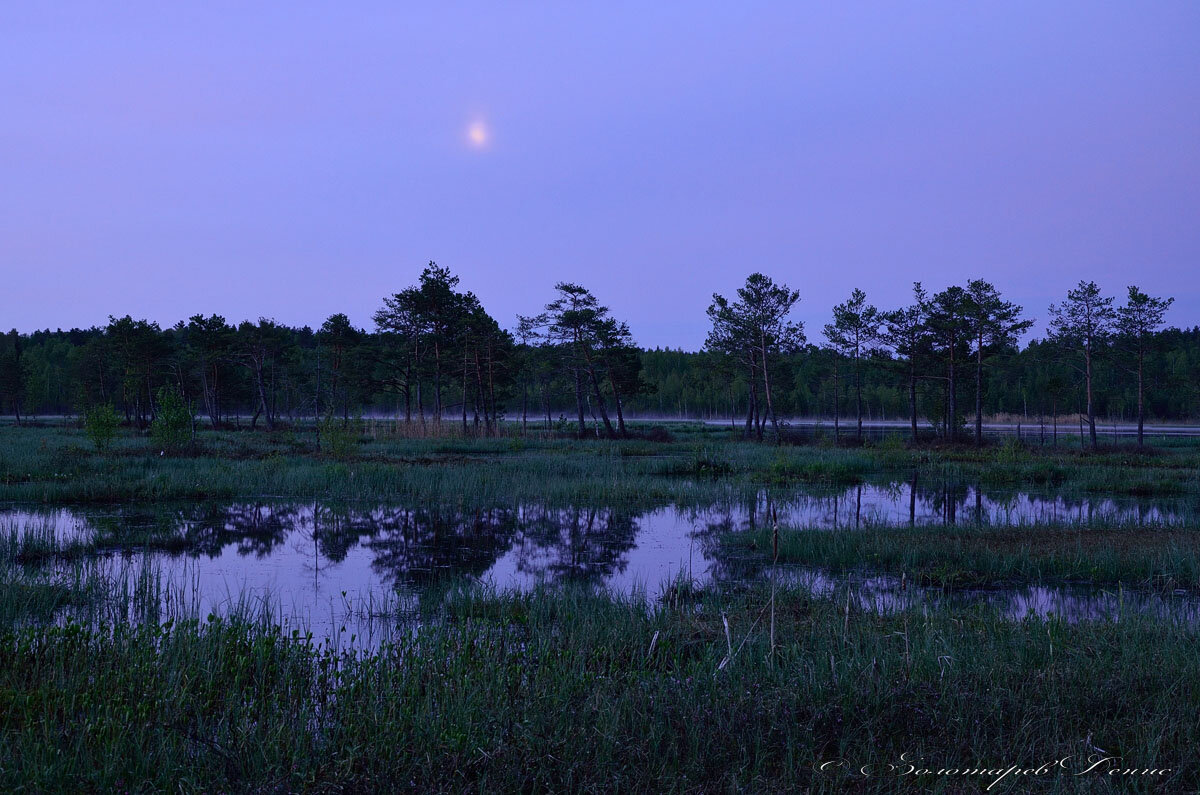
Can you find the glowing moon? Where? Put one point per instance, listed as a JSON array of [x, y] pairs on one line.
[[478, 134]]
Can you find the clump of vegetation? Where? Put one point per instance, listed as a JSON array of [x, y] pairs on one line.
[[1011, 451], [786, 468], [336, 438], [710, 463], [100, 423], [171, 428]]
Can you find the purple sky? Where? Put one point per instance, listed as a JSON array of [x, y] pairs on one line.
[[166, 159]]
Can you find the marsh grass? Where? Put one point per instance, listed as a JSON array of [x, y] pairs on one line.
[[111, 680], [54, 465], [1155, 556], [564, 690], [33, 597]]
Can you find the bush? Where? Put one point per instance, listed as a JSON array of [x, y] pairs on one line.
[[335, 439], [1011, 451], [100, 423], [172, 425]]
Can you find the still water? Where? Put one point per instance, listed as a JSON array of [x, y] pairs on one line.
[[334, 569]]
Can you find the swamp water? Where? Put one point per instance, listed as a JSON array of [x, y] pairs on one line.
[[347, 572]]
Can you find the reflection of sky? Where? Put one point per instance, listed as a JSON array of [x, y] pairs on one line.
[[372, 560], [885, 593], [664, 546], [893, 505]]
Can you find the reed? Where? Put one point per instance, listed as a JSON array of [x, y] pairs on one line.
[[1155, 556], [53, 466], [563, 690]]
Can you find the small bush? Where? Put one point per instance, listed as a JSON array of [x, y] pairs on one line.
[[336, 439], [100, 423], [658, 434], [708, 463], [172, 425], [1011, 451]]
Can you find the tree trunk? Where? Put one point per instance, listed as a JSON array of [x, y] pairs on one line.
[[464, 394], [979, 393], [837, 410], [208, 391], [1091, 410], [600, 403], [858, 408], [263, 406], [752, 401], [620, 409], [912, 397], [579, 402], [952, 400], [767, 391], [524, 405], [437, 384], [1141, 399], [482, 395]]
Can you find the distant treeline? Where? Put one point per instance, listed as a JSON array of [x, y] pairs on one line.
[[435, 356]]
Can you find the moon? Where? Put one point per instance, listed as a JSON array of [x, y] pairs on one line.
[[478, 134]]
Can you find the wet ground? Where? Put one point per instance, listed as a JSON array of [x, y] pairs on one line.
[[322, 567]]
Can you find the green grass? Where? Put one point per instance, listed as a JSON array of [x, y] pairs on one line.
[[561, 691], [1154, 557], [54, 466], [32, 597]]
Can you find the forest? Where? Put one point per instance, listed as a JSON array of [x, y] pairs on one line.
[[435, 356]]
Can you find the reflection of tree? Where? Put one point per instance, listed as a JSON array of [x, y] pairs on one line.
[[339, 528], [199, 529], [413, 545], [254, 527], [418, 545], [945, 499], [584, 545], [410, 545]]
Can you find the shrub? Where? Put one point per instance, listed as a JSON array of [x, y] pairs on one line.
[[172, 425], [100, 423], [1011, 451], [708, 463], [336, 439]]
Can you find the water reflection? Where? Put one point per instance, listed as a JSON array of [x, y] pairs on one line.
[[327, 561], [885, 594], [923, 502]]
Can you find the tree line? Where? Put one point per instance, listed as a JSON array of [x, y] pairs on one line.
[[435, 358]]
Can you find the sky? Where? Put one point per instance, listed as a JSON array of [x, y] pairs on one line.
[[293, 160]]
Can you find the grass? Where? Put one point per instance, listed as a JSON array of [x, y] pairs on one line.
[[563, 691], [101, 688], [53, 466], [1152, 557], [33, 597]]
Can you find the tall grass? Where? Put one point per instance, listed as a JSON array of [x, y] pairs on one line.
[[53, 465], [562, 690], [1162, 557]]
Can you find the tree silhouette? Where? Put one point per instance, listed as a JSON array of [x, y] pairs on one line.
[[1084, 323], [854, 329], [1137, 321]]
